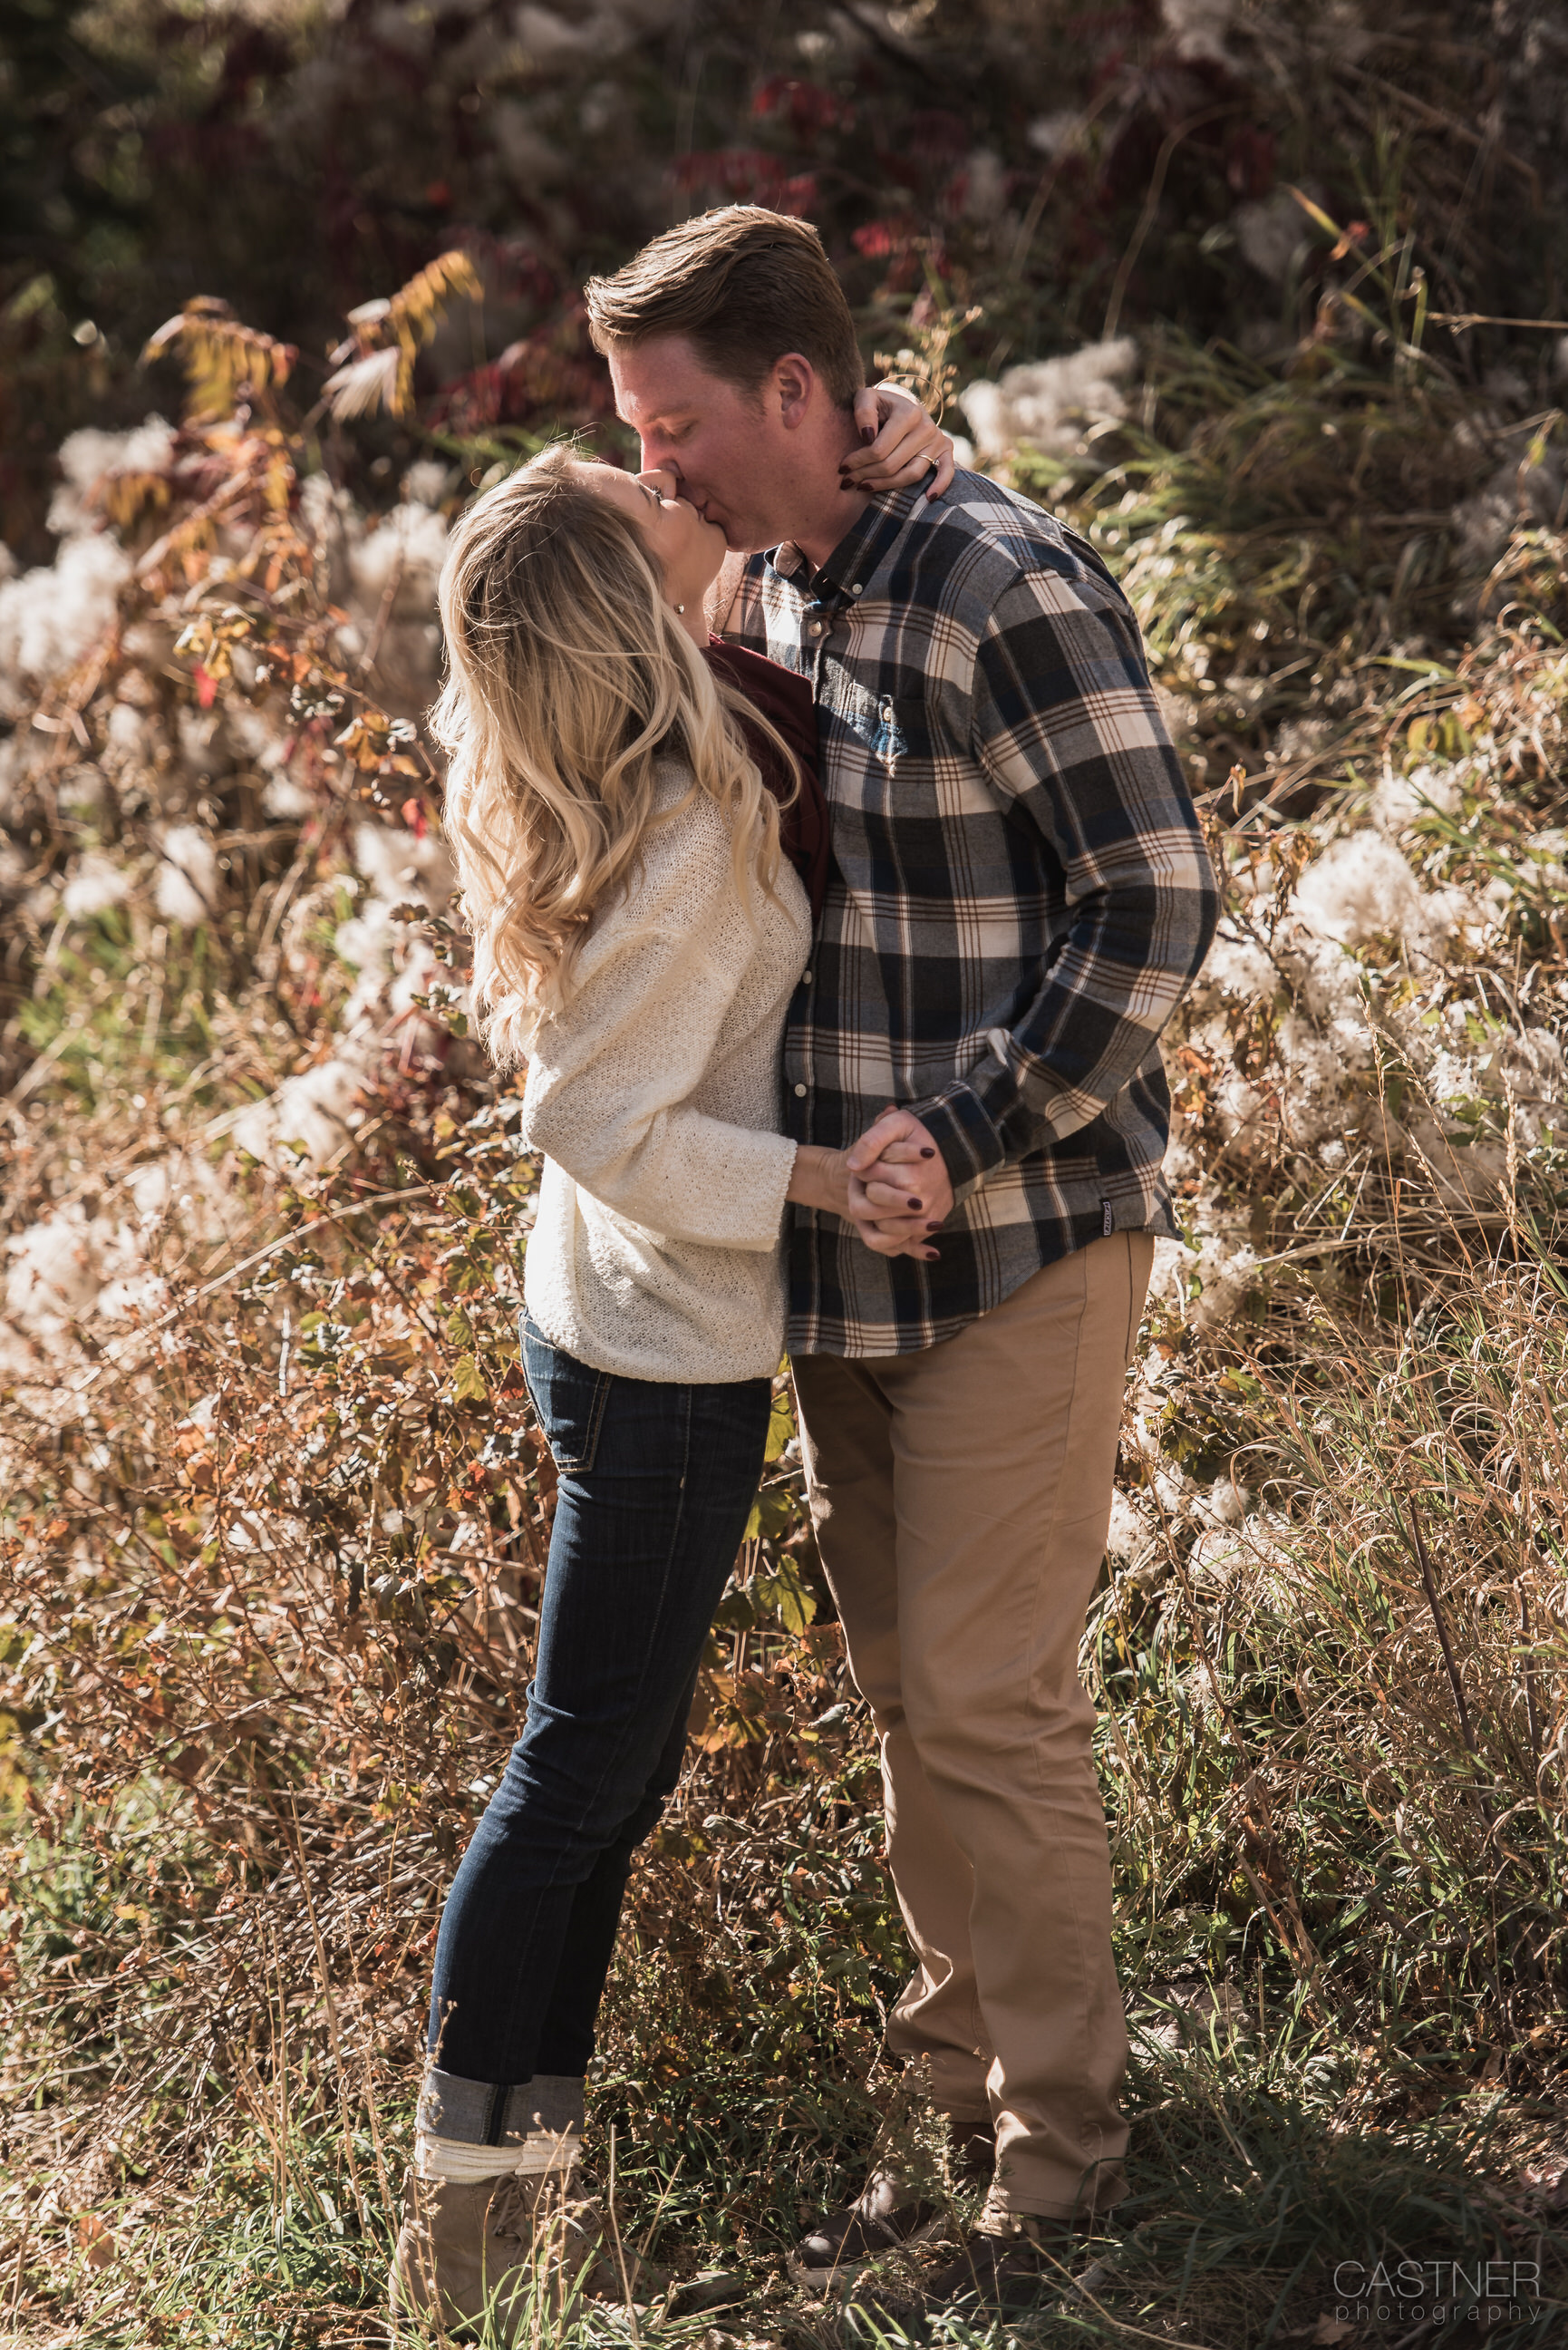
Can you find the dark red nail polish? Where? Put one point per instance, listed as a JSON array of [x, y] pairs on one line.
[[926, 1152], [867, 432], [914, 1203], [935, 1225]]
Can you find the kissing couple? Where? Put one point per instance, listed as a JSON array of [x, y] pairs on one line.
[[828, 865]]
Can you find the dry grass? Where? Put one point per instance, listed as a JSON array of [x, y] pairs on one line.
[[271, 1546]]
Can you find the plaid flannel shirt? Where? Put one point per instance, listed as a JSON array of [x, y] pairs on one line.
[[1019, 894]]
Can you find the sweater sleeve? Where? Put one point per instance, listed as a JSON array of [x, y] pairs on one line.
[[610, 1075]]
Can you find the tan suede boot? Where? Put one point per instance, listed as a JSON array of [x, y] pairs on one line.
[[497, 2249]]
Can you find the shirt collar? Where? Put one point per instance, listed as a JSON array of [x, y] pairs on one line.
[[860, 553]]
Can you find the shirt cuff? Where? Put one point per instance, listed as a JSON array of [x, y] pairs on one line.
[[965, 1133]]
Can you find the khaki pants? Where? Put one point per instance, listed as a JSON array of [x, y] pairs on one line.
[[960, 1497]]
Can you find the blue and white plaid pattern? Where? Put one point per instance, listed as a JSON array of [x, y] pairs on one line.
[[1020, 895]]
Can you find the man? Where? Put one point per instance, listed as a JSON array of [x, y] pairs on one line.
[[1022, 894]]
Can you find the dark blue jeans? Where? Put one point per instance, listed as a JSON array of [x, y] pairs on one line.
[[655, 1484]]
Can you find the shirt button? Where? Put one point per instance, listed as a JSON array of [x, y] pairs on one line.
[[815, 630], [805, 979], [856, 589], [800, 1093]]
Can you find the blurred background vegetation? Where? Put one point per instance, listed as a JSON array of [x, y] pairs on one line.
[[1071, 170], [1262, 295]]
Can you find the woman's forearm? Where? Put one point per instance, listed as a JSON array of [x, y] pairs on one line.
[[820, 1179]]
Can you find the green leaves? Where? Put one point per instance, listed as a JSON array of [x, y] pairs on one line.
[[783, 1596], [773, 1512], [781, 1420]]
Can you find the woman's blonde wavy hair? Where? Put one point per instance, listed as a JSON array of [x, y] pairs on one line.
[[568, 676]]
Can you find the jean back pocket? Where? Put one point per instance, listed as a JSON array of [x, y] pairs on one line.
[[568, 1396]]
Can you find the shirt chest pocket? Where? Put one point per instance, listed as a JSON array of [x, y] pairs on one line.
[[896, 797], [892, 733]]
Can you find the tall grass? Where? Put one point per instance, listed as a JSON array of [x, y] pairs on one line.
[[271, 1551]]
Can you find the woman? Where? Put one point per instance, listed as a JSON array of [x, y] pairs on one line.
[[638, 934]]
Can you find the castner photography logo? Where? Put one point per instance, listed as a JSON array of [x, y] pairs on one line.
[[1436, 2292]]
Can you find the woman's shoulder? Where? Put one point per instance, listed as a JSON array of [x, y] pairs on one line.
[[687, 824]]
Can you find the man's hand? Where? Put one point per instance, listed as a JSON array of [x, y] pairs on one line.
[[899, 1191]]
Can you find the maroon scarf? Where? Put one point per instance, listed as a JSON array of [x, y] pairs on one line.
[[787, 702]]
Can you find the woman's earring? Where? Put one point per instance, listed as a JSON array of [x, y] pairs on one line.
[[680, 607]]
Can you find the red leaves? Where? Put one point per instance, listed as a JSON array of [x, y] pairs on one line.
[[809, 108], [552, 374], [899, 241], [748, 175], [877, 239]]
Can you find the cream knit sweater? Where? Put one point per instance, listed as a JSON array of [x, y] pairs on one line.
[[655, 1096]]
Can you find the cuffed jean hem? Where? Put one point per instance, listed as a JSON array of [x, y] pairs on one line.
[[482, 2113]]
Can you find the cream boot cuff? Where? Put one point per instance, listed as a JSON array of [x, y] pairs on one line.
[[460, 2162]]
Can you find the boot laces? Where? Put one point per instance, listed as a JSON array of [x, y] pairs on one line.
[[526, 2200]]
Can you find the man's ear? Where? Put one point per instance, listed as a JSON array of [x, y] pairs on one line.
[[794, 382]]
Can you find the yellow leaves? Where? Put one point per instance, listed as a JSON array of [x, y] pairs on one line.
[[781, 1423], [363, 741], [1445, 735], [419, 308], [375, 368], [278, 476], [224, 359], [211, 638], [129, 498], [254, 490], [369, 745]]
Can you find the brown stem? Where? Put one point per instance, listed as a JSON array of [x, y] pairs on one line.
[[1449, 1659]]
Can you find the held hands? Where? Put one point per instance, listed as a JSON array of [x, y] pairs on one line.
[[899, 1191], [902, 444], [891, 1185]]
